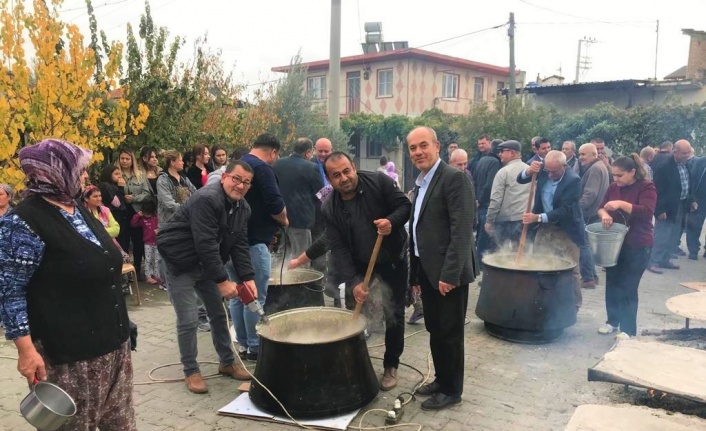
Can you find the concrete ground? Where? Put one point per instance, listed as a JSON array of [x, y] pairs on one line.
[[507, 386]]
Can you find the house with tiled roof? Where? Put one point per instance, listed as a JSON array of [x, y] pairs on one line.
[[406, 81]]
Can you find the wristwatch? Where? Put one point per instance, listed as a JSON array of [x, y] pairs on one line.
[[539, 218]]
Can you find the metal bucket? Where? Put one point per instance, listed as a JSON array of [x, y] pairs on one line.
[[605, 244], [298, 288], [47, 406], [315, 361]]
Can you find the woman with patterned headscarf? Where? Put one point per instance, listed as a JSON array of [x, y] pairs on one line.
[[60, 296]]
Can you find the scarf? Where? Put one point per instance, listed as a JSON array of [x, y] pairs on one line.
[[53, 169]]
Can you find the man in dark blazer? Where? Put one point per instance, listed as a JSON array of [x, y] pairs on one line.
[[557, 210], [442, 262], [674, 199]]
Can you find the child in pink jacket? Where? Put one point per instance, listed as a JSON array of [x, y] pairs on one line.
[[147, 219]]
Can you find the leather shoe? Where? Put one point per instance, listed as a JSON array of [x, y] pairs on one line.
[[429, 389], [668, 265], [591, 284], [196, 384], [235, 371], [389, 379], [441, 401], [654, 269]]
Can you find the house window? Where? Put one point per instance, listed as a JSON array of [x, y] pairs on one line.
[[317, 87], [450, 87], [385, 83], [374, 149], [501, 85], [478, 90]]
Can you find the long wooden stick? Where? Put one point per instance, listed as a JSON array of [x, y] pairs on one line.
[[523, 237], [368, 273]]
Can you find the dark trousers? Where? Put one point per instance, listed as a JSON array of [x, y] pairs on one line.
[[484, 243], [129, 234], [694, 225], [395, 278], [507, 232], [622, 281], [444, 318]]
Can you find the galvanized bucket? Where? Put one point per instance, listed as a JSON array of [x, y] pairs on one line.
[[605, 244]]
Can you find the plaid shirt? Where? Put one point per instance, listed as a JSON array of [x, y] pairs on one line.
[[684, 178]]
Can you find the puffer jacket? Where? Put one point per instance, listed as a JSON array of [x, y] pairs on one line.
[[206, 231]]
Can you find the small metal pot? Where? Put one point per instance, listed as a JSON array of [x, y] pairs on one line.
[[47, 406]]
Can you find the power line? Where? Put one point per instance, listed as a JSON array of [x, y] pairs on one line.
[[462, 35], [592, 20], [94, 7]]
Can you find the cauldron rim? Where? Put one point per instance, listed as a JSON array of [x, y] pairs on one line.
[[316, 276], [571, 266], [299, 310]]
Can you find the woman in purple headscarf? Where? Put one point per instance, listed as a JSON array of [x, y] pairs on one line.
[[60, 296]]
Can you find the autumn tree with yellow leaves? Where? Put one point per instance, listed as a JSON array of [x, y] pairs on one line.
[[57, 89]]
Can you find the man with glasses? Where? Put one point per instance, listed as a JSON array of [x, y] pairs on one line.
[[556, 210], [205, 232], [268, 214]]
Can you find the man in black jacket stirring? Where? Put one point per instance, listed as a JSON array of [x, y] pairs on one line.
[[363, 205], [206, 231]]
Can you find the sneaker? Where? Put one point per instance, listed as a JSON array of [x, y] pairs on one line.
[[151, 281], [415, 317], [607, 329], [693, 256], [251, 356], [161, 286], [205, 327], [622, 336], [242, 352]]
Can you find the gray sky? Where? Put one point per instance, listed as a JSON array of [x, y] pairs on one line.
[[255, 35]]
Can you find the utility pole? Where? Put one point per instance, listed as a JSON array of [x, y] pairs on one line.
[[334, 93], [656, 48], [511, 36], [583, 63]]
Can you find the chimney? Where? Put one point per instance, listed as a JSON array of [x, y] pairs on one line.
[[696, 67]]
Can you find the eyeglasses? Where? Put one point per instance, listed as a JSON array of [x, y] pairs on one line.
[[239, 181]]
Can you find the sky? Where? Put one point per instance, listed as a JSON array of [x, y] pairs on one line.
[[256, 35]]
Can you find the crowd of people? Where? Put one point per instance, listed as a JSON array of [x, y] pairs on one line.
[[205, 224], [658, 194]]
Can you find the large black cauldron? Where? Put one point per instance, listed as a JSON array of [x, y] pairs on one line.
[[524, 305], [297, 288], [315, 361]]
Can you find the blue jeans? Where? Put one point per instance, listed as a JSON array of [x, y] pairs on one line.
[[183, 290], [245, 320]]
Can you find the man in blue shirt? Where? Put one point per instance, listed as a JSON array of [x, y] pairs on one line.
[[268, 214], [557, 210]]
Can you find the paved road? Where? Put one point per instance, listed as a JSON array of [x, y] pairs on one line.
[[507, 386]]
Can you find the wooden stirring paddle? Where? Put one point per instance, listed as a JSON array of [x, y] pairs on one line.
[[368, 274], [523, 237]]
